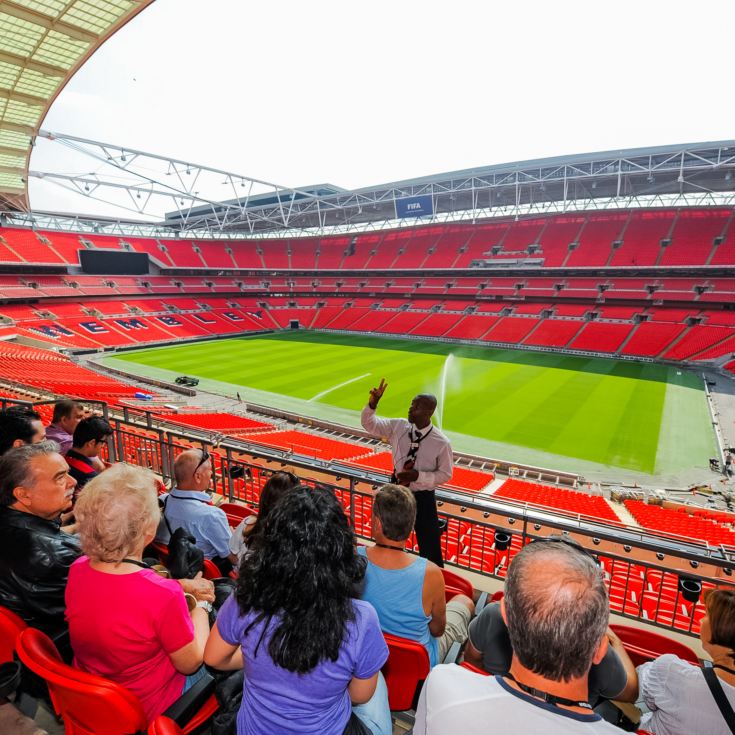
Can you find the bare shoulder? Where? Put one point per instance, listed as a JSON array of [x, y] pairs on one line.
[[433, 577]]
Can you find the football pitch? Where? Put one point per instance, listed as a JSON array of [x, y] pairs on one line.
[[559, 411]]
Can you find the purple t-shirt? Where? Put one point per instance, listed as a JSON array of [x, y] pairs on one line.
[[279, 701]]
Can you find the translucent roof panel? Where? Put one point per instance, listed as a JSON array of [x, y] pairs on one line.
[[42, 44]]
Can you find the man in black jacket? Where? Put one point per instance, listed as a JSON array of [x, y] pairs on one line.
[[35, 554]]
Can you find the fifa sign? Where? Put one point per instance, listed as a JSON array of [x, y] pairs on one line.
[[420, 206]]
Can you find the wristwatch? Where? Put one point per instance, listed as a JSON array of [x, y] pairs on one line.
[[206, 606]]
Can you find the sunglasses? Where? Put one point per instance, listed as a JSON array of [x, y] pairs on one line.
[[205, 458]]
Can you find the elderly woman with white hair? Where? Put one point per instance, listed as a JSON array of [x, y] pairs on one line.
[[126, 622]]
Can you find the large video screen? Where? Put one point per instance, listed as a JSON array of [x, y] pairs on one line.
[[113, 262]]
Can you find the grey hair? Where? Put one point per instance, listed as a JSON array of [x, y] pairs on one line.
[[557, 609], [115, 511], [16, 470]]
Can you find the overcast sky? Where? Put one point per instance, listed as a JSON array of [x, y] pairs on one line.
[[357, 94]]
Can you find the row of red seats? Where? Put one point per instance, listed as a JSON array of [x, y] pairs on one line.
[[663, 339], [586, 239], [572, 501], [681, 524]]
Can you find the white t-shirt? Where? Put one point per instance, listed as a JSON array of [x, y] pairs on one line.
[[679, 699], [455, 700]]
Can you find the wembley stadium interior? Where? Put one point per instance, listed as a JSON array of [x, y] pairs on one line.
[[626, 254]]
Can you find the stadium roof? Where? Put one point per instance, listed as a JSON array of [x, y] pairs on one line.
[[174, 196], [42, 44]]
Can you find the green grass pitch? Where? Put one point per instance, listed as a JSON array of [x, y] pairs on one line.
[[519, 405]]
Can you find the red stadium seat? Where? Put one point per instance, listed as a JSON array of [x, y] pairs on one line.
[[454, 585], [473, 668], [164, 726], [236, 512], [10, 626], [90, 704], [405, 671], [644, 645], [211, 570]]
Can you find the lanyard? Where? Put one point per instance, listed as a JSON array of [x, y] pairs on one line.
[[137, 563], [163, 510], [546, 697], [414, 448]]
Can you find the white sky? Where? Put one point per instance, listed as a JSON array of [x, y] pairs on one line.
[[358, 94]]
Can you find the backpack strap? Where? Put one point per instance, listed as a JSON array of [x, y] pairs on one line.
[[722, 702]]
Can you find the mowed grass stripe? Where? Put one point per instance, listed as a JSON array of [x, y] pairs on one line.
[[603, 411]]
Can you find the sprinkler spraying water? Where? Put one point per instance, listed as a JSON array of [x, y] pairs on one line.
[[443, 387]]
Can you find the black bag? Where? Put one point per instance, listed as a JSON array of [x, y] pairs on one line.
[[355, 726], [185, 559], [229, 695]]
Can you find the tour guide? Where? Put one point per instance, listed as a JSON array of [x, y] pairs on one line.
[[422, 457]]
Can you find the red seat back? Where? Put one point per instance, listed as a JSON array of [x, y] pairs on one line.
[[473, 668], [211, 570], [456, 585], [164, 726], [644, 645], [405, 671], [88, 704], [235, 513], [10, 626]]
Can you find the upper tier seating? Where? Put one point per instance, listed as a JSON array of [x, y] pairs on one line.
[[594, 239], [641, 240], [692, 240]]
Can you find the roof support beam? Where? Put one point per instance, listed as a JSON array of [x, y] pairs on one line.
[[50, 24], [46, 69]]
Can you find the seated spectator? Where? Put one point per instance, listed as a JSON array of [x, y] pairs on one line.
[[126, 622], [676, 693], [20, 425], [90, 436], [309, 651], [556, 610], [407, 591], [188, 505], [67, 415], [277, 485], [35, 554], [488, 648]]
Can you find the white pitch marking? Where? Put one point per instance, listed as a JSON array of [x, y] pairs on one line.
[[334, 387]]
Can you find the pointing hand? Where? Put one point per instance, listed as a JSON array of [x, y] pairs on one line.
[[377, 393]]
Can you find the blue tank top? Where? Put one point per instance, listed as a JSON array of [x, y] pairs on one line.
[[396, 595]]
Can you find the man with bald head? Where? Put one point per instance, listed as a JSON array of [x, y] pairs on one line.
[[422, 458], [556, 609], [189, 506]]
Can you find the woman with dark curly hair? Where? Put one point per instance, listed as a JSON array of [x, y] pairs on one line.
[[308, 648]]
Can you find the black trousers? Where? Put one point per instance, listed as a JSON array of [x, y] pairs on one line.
[[427, 527]]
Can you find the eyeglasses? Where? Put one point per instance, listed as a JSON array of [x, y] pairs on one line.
[[205, 458]]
